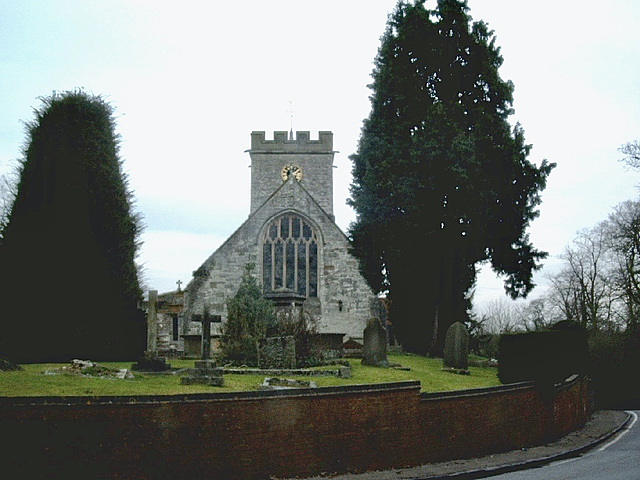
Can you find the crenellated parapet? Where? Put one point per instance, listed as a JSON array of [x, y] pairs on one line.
[[282, 144]]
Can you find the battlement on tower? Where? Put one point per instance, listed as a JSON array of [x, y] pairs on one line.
[[301, 144]]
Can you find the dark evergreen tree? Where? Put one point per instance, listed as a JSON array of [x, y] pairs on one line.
[[69, 281], [441, 180], [250, 316]]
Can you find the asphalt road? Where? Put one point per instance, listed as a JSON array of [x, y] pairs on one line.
[[617, 459]]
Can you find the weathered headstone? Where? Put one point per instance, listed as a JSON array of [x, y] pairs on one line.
[[205, 372], [374, 351], [456, 349]]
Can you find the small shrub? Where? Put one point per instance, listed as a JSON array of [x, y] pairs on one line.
[[7, 365], [488, 345], [302, 328]]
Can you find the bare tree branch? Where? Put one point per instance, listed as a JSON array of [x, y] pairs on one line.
[[631, 150]]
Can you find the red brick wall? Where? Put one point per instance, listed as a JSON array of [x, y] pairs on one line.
[[258, 434]]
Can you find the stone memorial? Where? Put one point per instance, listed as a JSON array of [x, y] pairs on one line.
[[152, 324], [456, 349], [152, 362], [374, 351], [205, 372]]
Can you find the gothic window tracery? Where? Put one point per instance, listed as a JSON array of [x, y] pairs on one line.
[[290, 256]]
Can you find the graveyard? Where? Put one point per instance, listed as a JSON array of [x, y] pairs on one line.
[[32, 380]]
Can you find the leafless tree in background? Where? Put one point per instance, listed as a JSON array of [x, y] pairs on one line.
[[624, 242], [631, 151], [499, 316], [584, 289]]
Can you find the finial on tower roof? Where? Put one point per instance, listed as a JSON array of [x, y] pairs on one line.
[[291, 120]]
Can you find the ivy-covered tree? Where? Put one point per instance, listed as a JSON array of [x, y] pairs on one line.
[[249, 317], [441, 181], [69, 281]]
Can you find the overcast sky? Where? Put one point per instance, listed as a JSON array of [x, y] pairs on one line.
[[190, 80]]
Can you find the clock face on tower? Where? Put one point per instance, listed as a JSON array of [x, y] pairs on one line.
[[289, 170]]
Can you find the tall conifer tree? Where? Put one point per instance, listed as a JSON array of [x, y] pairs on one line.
[[441, 181], [69, 280]]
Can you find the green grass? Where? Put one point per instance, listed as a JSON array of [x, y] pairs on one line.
[[32, 382]]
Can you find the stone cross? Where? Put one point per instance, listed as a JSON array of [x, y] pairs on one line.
[[179, 282], [206, 320], [205, 371], [152, 324]]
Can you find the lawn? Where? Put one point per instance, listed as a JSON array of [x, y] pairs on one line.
[[33, 382]]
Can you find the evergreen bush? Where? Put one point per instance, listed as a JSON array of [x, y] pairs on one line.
[[249, 317], [546, 357], [69, 282]]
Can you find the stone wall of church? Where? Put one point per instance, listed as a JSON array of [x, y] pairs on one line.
[[347, 301], [219, 277]]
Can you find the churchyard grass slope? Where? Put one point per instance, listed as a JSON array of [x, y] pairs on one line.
[[33, 382]]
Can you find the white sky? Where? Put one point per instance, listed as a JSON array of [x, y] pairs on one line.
[[190, 80]]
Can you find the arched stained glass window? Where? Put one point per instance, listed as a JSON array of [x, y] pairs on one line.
[[290, 256]]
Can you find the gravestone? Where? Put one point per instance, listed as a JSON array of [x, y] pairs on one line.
[[205, 372], [151, 362], [456, 349], [374, 351]]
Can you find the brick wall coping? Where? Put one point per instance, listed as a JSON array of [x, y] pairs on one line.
[[474, 392], [209, 397], [510, 387]]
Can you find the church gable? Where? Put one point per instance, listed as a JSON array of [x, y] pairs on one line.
[[218, 277]]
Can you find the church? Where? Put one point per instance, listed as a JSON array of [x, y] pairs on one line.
[[292, 239]]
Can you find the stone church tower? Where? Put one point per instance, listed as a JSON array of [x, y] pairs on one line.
[[292, 238]]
